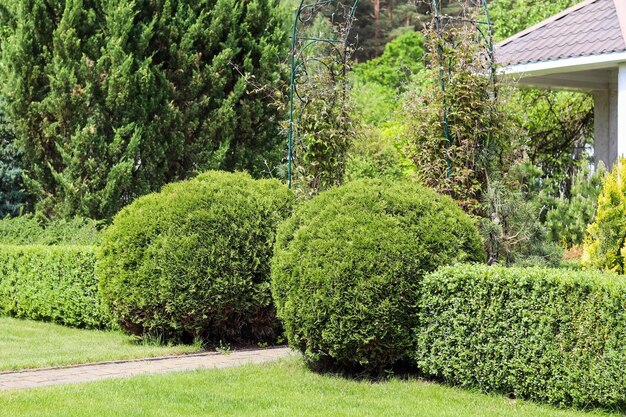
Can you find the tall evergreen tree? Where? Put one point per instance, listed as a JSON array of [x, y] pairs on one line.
[[112, 98]]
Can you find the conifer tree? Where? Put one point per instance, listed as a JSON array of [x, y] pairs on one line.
[[113, 99]]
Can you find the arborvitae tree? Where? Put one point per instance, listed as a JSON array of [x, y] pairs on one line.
[[605, 240], [113, 99]]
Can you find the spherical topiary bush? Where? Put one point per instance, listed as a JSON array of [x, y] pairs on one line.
[[348, 264], [193, 261]]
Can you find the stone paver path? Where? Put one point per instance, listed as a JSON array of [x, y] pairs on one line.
[[33, 378]]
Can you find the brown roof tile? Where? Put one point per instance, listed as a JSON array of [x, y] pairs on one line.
[[589, 28]]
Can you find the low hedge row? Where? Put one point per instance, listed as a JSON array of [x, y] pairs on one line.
[[51, 283], [32, 230], [548, 335]]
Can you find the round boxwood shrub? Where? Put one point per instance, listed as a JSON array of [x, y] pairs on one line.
[[348, 264], [193, 261]]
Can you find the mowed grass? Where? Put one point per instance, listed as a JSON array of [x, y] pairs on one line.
[[31, 344], [285, 388]]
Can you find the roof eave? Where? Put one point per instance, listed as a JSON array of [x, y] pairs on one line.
[[575, 64]]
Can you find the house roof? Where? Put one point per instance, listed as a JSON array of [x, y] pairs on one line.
[[593, 27]]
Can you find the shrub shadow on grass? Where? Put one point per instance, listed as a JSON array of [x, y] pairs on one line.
[[401, 370]]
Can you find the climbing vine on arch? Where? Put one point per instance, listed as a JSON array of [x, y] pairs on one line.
[[458, 129], [320, 124], [451, 132]]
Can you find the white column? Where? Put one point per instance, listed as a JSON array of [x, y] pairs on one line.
[[602, 128], [612, 125], [621, 111]]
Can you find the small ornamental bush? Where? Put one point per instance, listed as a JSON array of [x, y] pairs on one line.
[[556, 336], [51, 283], [347, 269], [192, 261], [605, 242]]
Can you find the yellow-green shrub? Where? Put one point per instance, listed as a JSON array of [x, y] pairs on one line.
[[606, 236]]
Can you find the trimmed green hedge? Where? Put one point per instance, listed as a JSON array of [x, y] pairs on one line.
[[347, 269], [193, 261], [548, 335], [51, 283], [32, 230]]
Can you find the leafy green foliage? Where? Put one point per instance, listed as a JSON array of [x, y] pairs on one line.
[[553, 131], [193, 260], [556, 129], [568, 220], [31, 230], [605, 243], [51, 283], [378, 83], [325, 131], [322, 112], [374, 104], [348, 264], [546, 335], [557, 125], [512, 16], [112, 99], [374, 155], [402, 59], [328, 145]]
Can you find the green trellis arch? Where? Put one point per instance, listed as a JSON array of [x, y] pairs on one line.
[[302, 55], [342, 14]]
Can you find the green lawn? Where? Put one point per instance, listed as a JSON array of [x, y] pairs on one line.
[[282, 389], [28, 344]]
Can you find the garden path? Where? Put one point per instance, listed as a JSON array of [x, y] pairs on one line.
[[34, 378]]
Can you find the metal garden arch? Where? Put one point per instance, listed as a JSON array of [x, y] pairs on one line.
[[341, 14]]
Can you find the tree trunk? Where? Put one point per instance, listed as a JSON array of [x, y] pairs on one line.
[[376, 19]]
